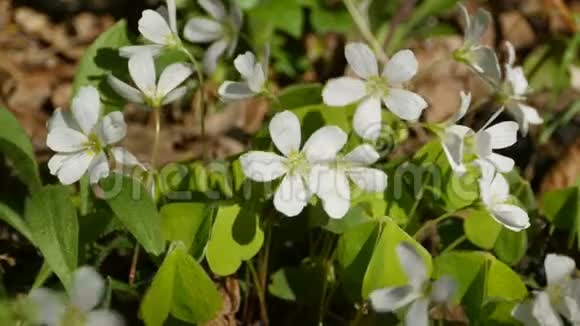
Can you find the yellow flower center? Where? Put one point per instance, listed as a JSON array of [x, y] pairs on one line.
[[297, 163], [93, 144], [377, 86]]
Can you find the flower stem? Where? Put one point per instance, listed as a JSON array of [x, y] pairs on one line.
[[261, 296], [420, 233], [365, 30], [133, 269], [157, 122]]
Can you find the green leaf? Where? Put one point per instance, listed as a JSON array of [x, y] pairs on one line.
[[135, 208], [485, 232], [384, 269], [183, 221], [263, 23], [299, 95], [354, 251], [480, 278], [180, 287], [55, 229], [236, 236], [15, 220], [303, 284], [102, 58], [16, 145], [562, 208]]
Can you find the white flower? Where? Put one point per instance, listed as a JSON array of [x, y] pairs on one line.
[[454, 135], [87, 291], [80, 139], [458, 140], [374, 88], [293, 192], [514, 96], [494, 192], [418, 293], [560, 296], [498, 136], [149, 91], [158, 27], [330, 181], [254, 75], [479, 57], [222, 30]]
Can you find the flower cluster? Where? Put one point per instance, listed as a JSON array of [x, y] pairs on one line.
[[87, 291], [560, 297], [317, 168]]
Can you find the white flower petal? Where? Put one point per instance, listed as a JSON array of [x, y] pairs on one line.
[[172, 77], [103, 317], [503, 134], [511, 53], [99, 168], [443, 290], [525, 115], [87, 289], [367, 179], [517, 79], [233, 91], [363, 154], [125, 90], [453, 143], [236, 15], [343, 91], [401, 67], [56, 162], [175, 95], [66, 140], [61, 119], [500, 189], [511, 216], [502, 163], [172, 12], [245, 64], [413, 264], [262, 166], [543, 312], [285, 132], [113, 128], [487, 171], [392, 299], [128, 51], [483, 141], [212, 55], [202, 30], [324, 144], [406, 105], [47, 306], [485, 61], [74, 167], [418, 314], [291, 196], [214, 7], [257, 80], [154, 27], [86, 108], [362, 59], [523, 313], [569, 308], [142, 70], [367, 119], [333, 189], [124, 157], [558, 268], [463, 107], [477, 26]]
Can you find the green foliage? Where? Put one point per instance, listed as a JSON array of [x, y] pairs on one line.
[[180, 288], [16, 146], [236, 237], [55, 229], [133, 205], [562, 208], [102, 58]]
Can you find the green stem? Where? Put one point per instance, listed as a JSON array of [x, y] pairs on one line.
[[421, 192], [433, 222], [454, 244], [261, 296], [157, 122], [365, 30]]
